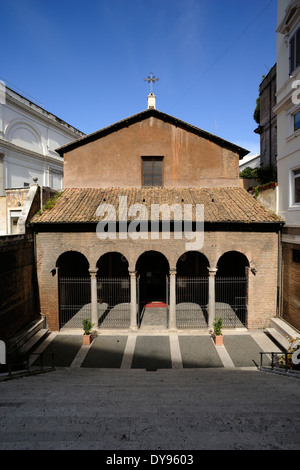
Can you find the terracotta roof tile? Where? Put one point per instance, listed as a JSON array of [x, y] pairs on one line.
[[220, 204]]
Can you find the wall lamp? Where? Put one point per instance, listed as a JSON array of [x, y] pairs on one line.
[[254, 271]]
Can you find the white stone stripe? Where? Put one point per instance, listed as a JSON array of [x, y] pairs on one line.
[[175, 352], [80, 356], [224, 356], [128, 352]]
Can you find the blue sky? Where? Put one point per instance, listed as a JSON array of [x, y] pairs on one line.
[[86, 61]]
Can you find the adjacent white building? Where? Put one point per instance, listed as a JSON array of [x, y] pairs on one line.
[[288, 158], [29, 136]]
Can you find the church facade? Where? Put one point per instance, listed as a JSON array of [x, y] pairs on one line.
[[153, 219]]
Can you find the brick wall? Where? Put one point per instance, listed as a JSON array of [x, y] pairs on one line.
[[261, 249], [18, 285]]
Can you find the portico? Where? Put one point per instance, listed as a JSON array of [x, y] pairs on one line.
[[152, 215]]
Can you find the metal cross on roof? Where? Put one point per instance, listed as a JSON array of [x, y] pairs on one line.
[[151, 79]]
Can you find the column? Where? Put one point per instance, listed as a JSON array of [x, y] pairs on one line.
[[172, 309], [133, 306], [211, 296], [93, 274]]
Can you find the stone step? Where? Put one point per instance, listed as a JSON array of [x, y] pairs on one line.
[[33, 341], [278, 338], [284, 328], [24, 335]]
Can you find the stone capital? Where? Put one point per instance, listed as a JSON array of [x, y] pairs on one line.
[[93, 272], [212, 272], [132, 274]]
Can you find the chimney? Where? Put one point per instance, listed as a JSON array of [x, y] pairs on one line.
[[151, 101]]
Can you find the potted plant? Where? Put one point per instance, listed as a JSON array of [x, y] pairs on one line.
[[218, 337], [87, 335]]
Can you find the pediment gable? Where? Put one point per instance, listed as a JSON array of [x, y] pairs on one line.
[[155, 114]]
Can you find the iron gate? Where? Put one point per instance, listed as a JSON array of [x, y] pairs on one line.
[[231, 300], [113, 302], [74, 301], [191, 302]]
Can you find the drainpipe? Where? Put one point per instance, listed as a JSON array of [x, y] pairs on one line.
[[279, 277]]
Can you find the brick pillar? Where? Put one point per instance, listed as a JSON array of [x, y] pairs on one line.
[[49, 298], [133, 311], [172, 310], [93, 274], [211, 296]]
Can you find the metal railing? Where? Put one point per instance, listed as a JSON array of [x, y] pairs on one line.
[[74, 301], [277, 361], [113, 302], [231, 295], [191, 302], [21, 365]]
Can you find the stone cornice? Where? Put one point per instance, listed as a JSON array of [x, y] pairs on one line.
[[41, 114], [31, 153]]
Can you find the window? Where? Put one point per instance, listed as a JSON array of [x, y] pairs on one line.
[[14, 217], [295, 51], [152, 171], [296, 186], [296, 256], [297, 121]]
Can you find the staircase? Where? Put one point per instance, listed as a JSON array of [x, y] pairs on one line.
[[26, 339], [279, 331]]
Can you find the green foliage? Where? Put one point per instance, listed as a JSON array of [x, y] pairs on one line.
[[267, 174], [87, 326], [218, 326], [256, 114], [50, 203], [286, 360], [249, 173], [263, 174]]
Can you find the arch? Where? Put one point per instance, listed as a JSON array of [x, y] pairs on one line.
[[72, 264], [152, 269], [112, 264], [74, 289], [231, 289], [22, 133], [232, 263], [192, 264]]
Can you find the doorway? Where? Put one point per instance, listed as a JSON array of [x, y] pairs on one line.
[[152, 269], [152, 272]]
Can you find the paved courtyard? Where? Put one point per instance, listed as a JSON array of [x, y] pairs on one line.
[[149, 349], [152, 392]]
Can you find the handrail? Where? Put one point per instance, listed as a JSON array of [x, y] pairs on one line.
[[286, 354], [11, 361]]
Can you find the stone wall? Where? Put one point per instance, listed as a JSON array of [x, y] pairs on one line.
[[18, 284]]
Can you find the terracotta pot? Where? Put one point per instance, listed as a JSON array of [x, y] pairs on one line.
[[86, 339], [218, 340]]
